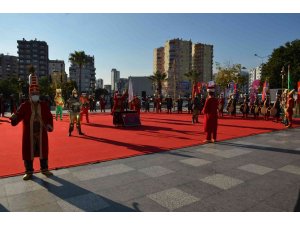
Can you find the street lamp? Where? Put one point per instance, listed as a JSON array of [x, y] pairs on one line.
[[262, 58]]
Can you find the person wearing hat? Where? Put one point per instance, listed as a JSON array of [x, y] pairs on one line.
[[179, 104], [37, 121], [118, 108], [74, 110], [210, 112], [289, 108]]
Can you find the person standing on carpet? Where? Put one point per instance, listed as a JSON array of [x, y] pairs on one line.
[[289, 108], [210, 112], [37, 121], [74, 110], [118, 108], [85, 106]]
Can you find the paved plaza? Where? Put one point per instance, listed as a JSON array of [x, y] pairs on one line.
[[255, 173]]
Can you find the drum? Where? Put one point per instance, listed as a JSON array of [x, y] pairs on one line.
[[263, 110], [231, 108], [273, 111], [256, 110]]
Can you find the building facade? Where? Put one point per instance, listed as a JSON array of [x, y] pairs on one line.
[[115, 77], [33, 53], [108, 88], [99, 83], [88, 75], [254, 74], [179, 57], [158, 60], [142, 86], [8, 66], [202, 61]]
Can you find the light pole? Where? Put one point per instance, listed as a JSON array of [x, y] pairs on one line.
[[282, 72], [262, 58]]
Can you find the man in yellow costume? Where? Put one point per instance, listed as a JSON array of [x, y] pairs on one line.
[[59, 101]]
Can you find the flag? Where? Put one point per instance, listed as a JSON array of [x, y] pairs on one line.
[[289, 79], [264, 91], [130, 90]]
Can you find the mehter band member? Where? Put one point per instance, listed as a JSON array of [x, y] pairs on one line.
[[37, 121]]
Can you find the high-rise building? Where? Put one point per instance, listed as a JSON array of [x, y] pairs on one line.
[[254, 74], [99, 83], [177, 62], [159, 61], [88, 74], [33, 53], [115, 77], [57, 72], [179, 57], [8, 66], [202, 61]]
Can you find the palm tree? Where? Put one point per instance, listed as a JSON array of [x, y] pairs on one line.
[[158, 79], [79, 58], [193, 76]]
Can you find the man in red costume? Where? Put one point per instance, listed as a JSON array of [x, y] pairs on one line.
[[84, 107], [289, 108], [136, 104], [118, 108], [37, 121], [210, 112]]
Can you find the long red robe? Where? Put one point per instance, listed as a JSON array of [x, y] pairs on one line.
[[210, 111], [24, 113]]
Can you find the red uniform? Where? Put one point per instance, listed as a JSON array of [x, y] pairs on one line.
[[84, 108], [25, 114], [118, 108], [289, 110], [210, 122]]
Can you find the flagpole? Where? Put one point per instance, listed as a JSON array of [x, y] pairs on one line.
[[289, 78]]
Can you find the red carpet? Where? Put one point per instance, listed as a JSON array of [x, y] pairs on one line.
[[102, 141]]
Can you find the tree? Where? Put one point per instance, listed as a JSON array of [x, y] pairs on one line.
[[46, 87], [158, 79], [228, 74], [193, 76], [79, 58], [99, 92], [288, 54], [67, 88]]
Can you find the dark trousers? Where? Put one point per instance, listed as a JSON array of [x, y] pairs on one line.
[[29, 165]]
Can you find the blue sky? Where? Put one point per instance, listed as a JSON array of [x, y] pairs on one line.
[[126, 41]]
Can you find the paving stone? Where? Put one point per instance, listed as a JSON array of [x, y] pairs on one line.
[[291, 169], [226, 153], [29, 200], [145, 204], [102, 172], [195, 162], [21, 187], [257, 169], [83, 203], [286, 199], [262, 207], [172, 198], [156, 171], [222, 181], [49, 207]]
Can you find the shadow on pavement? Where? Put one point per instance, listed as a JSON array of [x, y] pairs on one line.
[[257, 147], [3, 209], [76, 198]]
